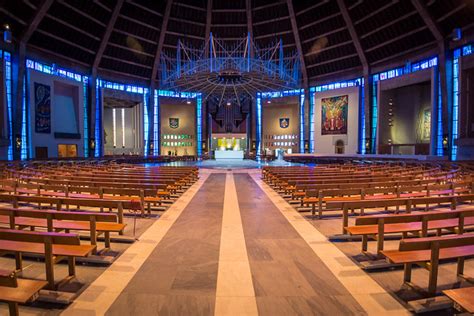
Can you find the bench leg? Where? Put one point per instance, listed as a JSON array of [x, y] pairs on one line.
[[13, 308], [18, 261], [380, 240], [71, 261], [345, 219], [365, 240], [407, 272], [48, 260], [433, 277], [107, 239], [460, 269], [120, 216]]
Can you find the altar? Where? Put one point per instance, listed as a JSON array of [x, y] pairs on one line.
[[229, 154], [229, 146]]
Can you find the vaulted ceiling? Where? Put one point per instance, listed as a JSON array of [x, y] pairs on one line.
[[126, 37]]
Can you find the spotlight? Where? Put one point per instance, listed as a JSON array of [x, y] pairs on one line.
[[7, 34], [188, 102]]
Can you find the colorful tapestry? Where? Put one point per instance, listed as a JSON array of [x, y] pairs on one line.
[[334, 115], [426, 124], [42, 108]]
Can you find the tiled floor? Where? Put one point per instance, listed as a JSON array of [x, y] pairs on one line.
[[232, 246]]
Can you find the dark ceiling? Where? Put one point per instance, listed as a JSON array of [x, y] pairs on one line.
[[387, 29]]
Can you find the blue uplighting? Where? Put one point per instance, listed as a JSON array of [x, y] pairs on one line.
[[362, 137], [24, 145], [85, 87], [8, 90], [312, 91], [146, 123], [156, 124], [455, 111], [98, 120], [302, 96], [374, 116], [199, 124], [258, 134], [439, 124]]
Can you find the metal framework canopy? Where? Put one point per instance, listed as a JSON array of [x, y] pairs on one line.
[[230, 71]]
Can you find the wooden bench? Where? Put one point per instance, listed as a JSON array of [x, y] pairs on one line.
[[146, 196], [54, 246], [380, 225], [344, 195], [56, 221], [408, 203], [14, 291], [427, 252], [463, 299], [120, 205]]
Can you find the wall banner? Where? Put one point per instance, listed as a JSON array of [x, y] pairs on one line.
[[42, 108], [334, 115]]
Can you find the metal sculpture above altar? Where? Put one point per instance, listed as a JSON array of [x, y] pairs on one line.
[[230, 70]]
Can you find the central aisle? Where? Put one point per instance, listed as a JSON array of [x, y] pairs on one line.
[[180, 275], [288, 276], [227, 247]]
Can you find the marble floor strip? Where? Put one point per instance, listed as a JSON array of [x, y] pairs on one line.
[[102, 293], [235, 294], [366, 291]]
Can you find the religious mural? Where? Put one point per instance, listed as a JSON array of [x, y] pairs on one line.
[[334, 115], [42, 108]]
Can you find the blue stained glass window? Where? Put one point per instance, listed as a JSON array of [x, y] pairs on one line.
[[146, 125], [302, 96], [258, 133], [156, 125], [312, 91], [199, 124], [8, 90], [455, 115], [24, 145]]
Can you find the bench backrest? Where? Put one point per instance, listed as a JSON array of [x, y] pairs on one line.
[[39, 237], [443, 242], [60, 215], [413, 217]]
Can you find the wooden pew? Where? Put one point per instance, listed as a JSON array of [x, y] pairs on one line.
[[56, 221], [463, 299], [381, 225], [427, 253], [14, 291], [357, 194], [408, 203], [54, 247], [120, 205]]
